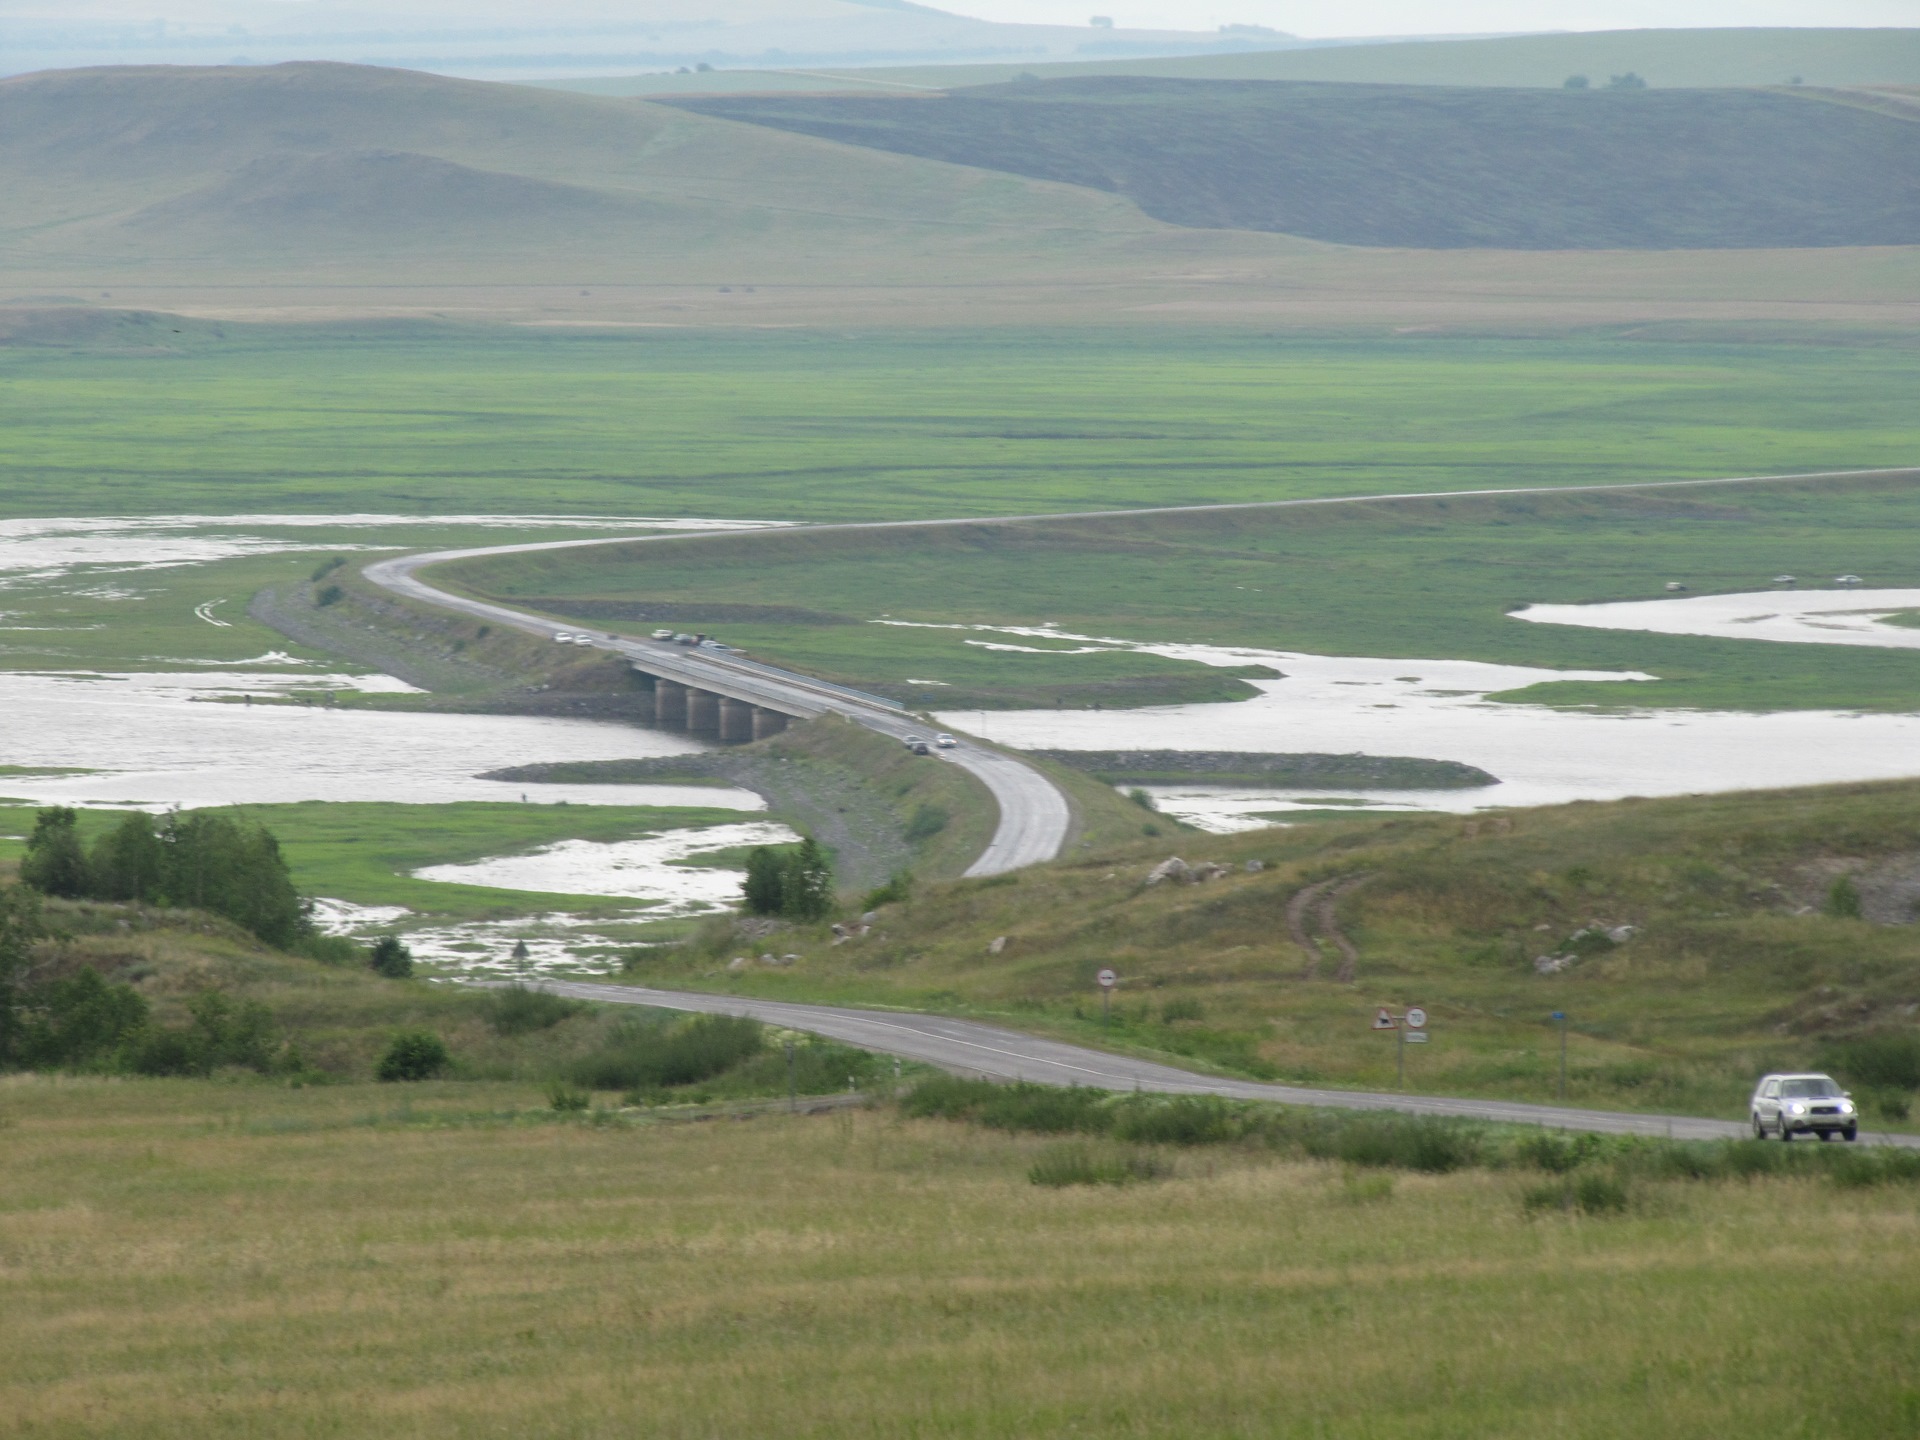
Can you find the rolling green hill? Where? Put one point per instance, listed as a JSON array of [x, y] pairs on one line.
[[1424, 168], [335, 170]]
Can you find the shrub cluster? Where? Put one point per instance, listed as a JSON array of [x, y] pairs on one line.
[[1593, 1174], [84, 1022], [793, 881], [199, 860]]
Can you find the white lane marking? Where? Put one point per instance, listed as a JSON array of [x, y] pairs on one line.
[[205, 612]]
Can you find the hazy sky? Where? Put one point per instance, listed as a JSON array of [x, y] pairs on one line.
[[1430, 17]]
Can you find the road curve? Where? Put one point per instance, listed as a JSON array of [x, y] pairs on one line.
[[969, 1047], [1034, 814]]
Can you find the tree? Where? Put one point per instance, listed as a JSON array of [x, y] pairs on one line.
[[215, 862], [20, 928], [1575, 82], [390, 957], [1628, 81], [765, 884], [413, 1055], [54, 863], [128, 862], [807, 893]]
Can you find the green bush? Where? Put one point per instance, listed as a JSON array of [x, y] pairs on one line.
[[1556, 1152], [1183, 1008], [327, 567], [568, 1100], [517, 1010], [897, 890], [1886, 1059], [221, 1034], [643, 1056], [1183, 1120], [330, 595], [1403, 1142], [928, 821], [81, 1022], [413, 1055], [390, 957], [1855, 1169], [1843, 899]]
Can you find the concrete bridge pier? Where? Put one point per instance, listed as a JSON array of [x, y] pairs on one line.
[[736, 719], [669, 703], [703, 711], [767, 722]]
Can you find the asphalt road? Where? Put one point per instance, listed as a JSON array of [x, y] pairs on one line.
[[1034, 815], [970, 1048]]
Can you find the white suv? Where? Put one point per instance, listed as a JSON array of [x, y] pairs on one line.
[[1789, 1105]]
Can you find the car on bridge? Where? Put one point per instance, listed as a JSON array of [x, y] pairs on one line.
[[1809, 1104]]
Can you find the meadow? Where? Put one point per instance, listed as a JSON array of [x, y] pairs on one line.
[[457, 1260], [1414, 578], [846, 423]]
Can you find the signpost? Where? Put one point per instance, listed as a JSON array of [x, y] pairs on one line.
[[1409, 1029], [1107, 981], [1561, 1017]]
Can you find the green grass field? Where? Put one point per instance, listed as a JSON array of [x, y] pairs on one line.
[[242, 1261], [824, 426], [1431, 579]]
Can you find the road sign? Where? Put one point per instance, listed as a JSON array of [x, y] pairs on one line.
[[1415, 1037], [1558, 1015], [1416, 1019], [1383, 1020], [1107, 979]]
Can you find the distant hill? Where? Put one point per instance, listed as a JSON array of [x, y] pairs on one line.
[[510, 38], [1663, 58], [1419, 167], [293, 167]]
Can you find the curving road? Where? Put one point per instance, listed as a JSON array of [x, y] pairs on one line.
[[1034, 814], [969, 1047]]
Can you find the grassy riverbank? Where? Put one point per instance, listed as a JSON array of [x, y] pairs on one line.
[[265, 1262], [1418, 578]]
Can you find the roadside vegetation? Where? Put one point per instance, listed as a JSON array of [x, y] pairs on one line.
[[1693, 944]]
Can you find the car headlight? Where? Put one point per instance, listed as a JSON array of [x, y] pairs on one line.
[[1796, 1109], [1846, 1107]]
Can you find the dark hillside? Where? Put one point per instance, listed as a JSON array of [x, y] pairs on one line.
[[1429, 168]]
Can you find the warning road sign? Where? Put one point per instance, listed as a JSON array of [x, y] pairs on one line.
[[1383, 1020], [1416, 1019]]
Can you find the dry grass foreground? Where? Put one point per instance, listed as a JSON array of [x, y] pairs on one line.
[[192, 1259]]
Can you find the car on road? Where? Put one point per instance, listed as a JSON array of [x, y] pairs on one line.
[[945, 741], [1805, 1104], [912, 740], [583, 639], [563, 637], [662, 635], [920, 747]]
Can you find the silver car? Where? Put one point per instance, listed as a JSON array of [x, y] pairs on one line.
[[1789, 1105]]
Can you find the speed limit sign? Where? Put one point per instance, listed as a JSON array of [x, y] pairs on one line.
[[1107, 979], [1416, 1019]]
